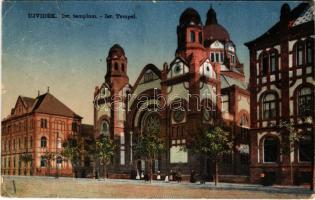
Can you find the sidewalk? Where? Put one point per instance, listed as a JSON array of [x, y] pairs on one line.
[[210, 185]]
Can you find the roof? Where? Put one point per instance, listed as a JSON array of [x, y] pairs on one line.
[[190, 17], [28, 101], [301, 13], [49, 104], [228, 82]]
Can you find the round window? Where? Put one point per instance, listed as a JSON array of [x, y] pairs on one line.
[[178, 115], [177, 69]]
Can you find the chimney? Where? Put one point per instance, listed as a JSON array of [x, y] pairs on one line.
[[38, 93], [48, 89]]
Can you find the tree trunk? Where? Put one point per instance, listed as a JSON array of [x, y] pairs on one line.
[[216, 172], [291, 174], [151, 171], [105, 171]]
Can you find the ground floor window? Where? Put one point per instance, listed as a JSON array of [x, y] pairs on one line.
[[270, 149], [178, 154], [305, 149], [42, 161]]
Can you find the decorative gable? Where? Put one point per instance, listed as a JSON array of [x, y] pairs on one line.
[[217, 45], [207, 70], [177, 68]]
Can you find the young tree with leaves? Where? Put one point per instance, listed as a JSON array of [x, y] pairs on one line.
[[105, 150], [26, 158], [72, 150], [149, 146], [49, 156], [213, 143]]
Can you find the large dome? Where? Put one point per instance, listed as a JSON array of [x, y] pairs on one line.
[[214, 31], [190, 17], [116, 50]]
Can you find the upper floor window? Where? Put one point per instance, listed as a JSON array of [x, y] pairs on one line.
[[217, 57], [192, 36], [269, 62], [299, 53], [43, 142], [123, 67], [273, 62], [43, 123], [271, 147], [305, 101], [74, 127], [116, 66], [269, 106], [200, 37], [309, 51]]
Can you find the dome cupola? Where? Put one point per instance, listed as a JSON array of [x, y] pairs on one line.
[[116, 51], [214, 31], [189, 17]]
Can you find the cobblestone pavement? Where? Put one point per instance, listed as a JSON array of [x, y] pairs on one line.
[[13, 186]]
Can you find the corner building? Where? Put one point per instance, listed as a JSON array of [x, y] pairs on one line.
[[37, 127], [175, 100], [282, 79]]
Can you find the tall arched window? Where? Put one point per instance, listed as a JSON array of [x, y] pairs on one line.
[[273, 61], [104, 127], [200, 37], [192, 36], [116, 66], [123, 67], [43, 142], [269, 106], [299, 53], [305, 101], [264, 64], [309, 51], [244, 124], [271, 148]]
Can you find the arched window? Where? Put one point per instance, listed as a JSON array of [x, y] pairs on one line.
[[43, 142], [309, 51], [273, 61], [123, 67], [116, 66], [270, 150], [269, 106], [299, 53], [104, 127], [244, 124], [192, 36], [305, 149], [200, 37], [264, 64], [305, 101]]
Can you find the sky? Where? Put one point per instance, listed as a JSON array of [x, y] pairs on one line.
[[69, 55]]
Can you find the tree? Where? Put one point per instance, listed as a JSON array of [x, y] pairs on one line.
[[105, 150], [26, 158], [72, 150], [288, 147], [49, 156], [149, 146], [213, 143]]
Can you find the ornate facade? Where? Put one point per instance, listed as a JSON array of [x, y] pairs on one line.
[[282, 78], [175, 100]]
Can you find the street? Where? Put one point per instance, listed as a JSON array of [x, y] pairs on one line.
[[14, 186]]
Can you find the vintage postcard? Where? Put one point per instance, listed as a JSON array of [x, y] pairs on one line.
[[158, 99]]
